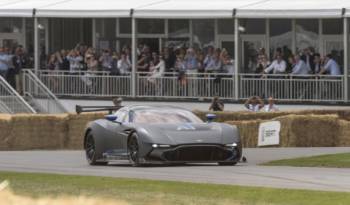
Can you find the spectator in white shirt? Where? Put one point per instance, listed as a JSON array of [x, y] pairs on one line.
[[75, 60], [271, 106], [278, 66], [300, 67], [331, 66], [254, 104], [124, 64]]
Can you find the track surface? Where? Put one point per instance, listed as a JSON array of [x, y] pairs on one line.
[[249, 174]]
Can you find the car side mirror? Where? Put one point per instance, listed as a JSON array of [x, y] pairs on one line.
[[112, 118], [210, 117]]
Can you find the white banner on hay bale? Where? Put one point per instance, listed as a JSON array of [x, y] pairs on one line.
[[269, 133]]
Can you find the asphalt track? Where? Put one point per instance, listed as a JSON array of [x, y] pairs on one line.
[[247, 174]]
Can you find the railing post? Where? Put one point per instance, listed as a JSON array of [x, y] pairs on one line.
[[36, 45], [133, 56], [236, 59], [345, 84]]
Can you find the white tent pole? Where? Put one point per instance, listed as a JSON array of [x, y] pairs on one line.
[[133, 56], [236, 59], [36, 44], [346, 83]]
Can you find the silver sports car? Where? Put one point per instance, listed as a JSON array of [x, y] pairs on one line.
[[160, 134]]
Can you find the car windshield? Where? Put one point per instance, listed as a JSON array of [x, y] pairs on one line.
[[155, 116]]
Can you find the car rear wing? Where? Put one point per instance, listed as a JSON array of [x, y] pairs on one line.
[[80, 109]]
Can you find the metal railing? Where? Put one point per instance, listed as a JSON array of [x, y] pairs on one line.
[[171, 85], [10, 101], [309, 88], [292, 87], [39, 95], [86, 83]]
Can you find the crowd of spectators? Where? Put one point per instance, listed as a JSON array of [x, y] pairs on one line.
[[306, 62], [169, 59], [11, 63]]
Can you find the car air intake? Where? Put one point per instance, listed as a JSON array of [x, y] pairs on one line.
[[198, 153]]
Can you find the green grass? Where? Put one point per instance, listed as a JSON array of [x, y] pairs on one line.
[[163, 192], [332, 160]]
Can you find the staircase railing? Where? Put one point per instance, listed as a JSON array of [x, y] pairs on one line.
[[10, 101], [39, 95]]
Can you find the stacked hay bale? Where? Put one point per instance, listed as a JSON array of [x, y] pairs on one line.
[[76, 127], [24, 132]]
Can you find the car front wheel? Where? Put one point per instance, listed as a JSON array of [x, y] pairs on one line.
[[90, 151]]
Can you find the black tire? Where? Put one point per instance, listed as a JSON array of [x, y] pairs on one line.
[[227, 163], [133, 150], [90, 151]]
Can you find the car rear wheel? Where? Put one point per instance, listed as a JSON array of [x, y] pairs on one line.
[[90, 151], [133, 150]]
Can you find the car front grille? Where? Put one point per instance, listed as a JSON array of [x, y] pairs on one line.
[[198, 153]]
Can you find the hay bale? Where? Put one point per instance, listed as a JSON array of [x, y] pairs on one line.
[[248, 131], [344, 134], [309, 130], [76, 127], [28, 131], [5, 127]]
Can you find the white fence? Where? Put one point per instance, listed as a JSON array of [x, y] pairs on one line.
[[10, 101], [310, 88], [39, 95], [293, 88]]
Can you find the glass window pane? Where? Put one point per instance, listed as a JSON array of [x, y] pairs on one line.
[[280, 37], [307, 34], [106, 33], [226, 26], [253, 26], [150, 26], [11, 25], [178, 27], [203, 33], [125, 25], [332, 26]]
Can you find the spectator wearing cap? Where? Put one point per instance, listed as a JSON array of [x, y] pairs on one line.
[[254, 104], [117, 101]]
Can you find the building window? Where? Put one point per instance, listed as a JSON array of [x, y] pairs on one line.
[[11, 25], [252, 26], [203, 33], [280, 37], [332, 26], [226, 26], [178, 28], [307, 34], [125, 25], [150, 26]]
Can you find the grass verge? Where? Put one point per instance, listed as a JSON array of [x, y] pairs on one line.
[[331, 160], [135, 191]]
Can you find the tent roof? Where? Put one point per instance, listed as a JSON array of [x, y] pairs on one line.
[[191, 9], [294, 9], [176, 8]]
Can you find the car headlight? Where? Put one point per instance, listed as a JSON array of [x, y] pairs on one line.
[[231, 145], [160, 145]]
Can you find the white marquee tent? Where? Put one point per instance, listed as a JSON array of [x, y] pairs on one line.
[[176, 8]]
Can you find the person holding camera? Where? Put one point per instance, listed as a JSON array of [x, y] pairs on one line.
[[216, 105]]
